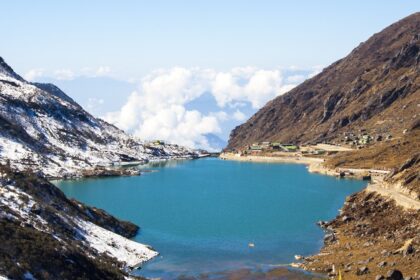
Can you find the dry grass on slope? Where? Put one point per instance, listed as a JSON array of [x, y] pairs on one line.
[[386, 155]]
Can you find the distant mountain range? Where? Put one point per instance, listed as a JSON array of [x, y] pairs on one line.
[[376, 88], [215, 142], [43, 129]]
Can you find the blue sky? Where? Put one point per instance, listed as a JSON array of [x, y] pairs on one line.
[[206, 57], [135, 37]]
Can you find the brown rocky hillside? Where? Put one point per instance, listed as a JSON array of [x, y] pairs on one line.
[[375, 88]]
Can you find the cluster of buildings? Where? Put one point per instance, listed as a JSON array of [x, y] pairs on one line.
[[280, 147], [364, 138], [272, 146], [159, 143]]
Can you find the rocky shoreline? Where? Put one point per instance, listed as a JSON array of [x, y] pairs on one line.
[[371, 237], [375, 234]]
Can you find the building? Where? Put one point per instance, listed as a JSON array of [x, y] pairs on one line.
[[255, 148], [275, 145], [289, 147]]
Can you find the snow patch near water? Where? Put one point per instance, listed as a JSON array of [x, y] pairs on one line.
[[114, 245]]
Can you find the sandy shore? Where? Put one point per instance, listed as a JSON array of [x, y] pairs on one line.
[[315, 164], [285, 159]]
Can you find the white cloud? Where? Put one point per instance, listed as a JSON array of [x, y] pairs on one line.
[[221, 116], [166, 120], [64, 74], [248, 84], [69, 74], [296, 79], [239, 116], [101, 71], [315, 71], [157, 109], [93, 104], [33, 74]]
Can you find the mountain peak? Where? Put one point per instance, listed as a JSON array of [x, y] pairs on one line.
[[6, 70]]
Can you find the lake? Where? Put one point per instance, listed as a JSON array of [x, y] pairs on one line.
[[202, 215]]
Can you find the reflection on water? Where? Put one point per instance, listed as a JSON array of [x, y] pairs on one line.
[[160, 164]]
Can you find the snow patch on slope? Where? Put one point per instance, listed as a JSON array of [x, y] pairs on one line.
[[124, 250], [20, 205]]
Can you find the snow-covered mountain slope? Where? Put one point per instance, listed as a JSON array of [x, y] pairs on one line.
[[43, 129], [45, 235]]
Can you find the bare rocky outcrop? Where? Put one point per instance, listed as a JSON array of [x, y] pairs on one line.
[[377, 229], [371, 236]]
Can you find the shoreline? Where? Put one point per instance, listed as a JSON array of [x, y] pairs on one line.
[[280, 159], [115, 169], [314, 164], [343, 250]]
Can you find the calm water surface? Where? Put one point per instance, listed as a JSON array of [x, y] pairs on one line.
[[202, 214]]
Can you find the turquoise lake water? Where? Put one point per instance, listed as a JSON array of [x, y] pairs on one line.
[[200, 215]]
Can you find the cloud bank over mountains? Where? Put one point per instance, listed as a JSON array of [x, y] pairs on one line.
[[158, 109], [68, 74], [187, 106]]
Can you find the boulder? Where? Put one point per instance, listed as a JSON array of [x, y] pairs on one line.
[[322, 224], [382, 264], [362, 270], [408, 250], [329, 238], [299, 257], [394, 274], [346, 219]]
